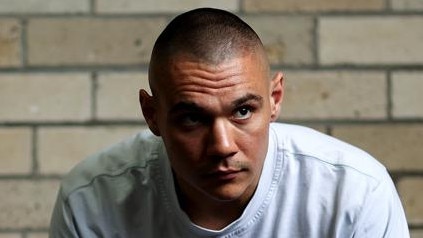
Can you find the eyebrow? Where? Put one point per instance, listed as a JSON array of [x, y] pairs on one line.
[[247, 97], [185, 106], [192, 106]]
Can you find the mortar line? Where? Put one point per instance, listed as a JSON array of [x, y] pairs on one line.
[[329, 130], [316, 41], [144, 68], [44, 177], [415, 226], [241, 10], [389, 7], [23, 230], [34, 151], [141, 15], [138, 122], [24, 43], [94, 92], [389, 96], [92, 10]]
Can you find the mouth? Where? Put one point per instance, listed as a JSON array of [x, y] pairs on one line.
[[225, 174]]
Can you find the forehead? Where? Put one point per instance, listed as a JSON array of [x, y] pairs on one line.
[[183, 70], [209, 85]]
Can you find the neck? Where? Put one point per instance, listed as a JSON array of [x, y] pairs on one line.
[[209, 212]]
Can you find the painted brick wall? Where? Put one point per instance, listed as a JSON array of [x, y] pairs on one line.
[[70, 72]]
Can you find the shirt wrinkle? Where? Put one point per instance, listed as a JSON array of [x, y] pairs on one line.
[[301, 193]]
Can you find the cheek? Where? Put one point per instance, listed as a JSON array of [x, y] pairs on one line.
[[255, 146], [183, 147], [178, 152], [255, 140]]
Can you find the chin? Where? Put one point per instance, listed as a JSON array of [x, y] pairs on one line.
[[227, 193]]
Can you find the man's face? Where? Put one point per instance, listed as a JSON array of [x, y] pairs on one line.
[[214, 121]]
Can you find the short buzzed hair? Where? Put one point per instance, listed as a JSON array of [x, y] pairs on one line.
[[207, 34]]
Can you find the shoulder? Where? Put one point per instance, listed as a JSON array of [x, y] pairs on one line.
[[134, 152], [303, 142], [338, 180]]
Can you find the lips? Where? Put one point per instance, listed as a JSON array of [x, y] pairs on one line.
[[227, 174]]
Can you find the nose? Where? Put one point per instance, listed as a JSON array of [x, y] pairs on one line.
[[221, 141]]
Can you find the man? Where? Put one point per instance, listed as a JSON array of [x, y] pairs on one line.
[[216, 165]]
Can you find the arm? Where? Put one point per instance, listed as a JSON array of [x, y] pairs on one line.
[[62, 221], [382, 214]]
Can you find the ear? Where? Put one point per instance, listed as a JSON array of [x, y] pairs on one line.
[[276, 95], [149, 110]]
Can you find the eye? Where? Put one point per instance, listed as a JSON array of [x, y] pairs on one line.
[[243, 113], [190, 120]]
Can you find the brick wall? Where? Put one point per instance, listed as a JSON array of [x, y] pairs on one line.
[[70, 72]]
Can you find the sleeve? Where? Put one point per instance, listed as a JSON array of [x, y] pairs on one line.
[[62, 221], [382, 215]]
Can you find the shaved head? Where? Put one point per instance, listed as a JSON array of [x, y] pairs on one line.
[[205, 35]]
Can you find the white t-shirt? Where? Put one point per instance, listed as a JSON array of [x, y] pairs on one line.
[[312, 185]]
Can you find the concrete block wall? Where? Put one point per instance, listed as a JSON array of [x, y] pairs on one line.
[[70, 72]]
